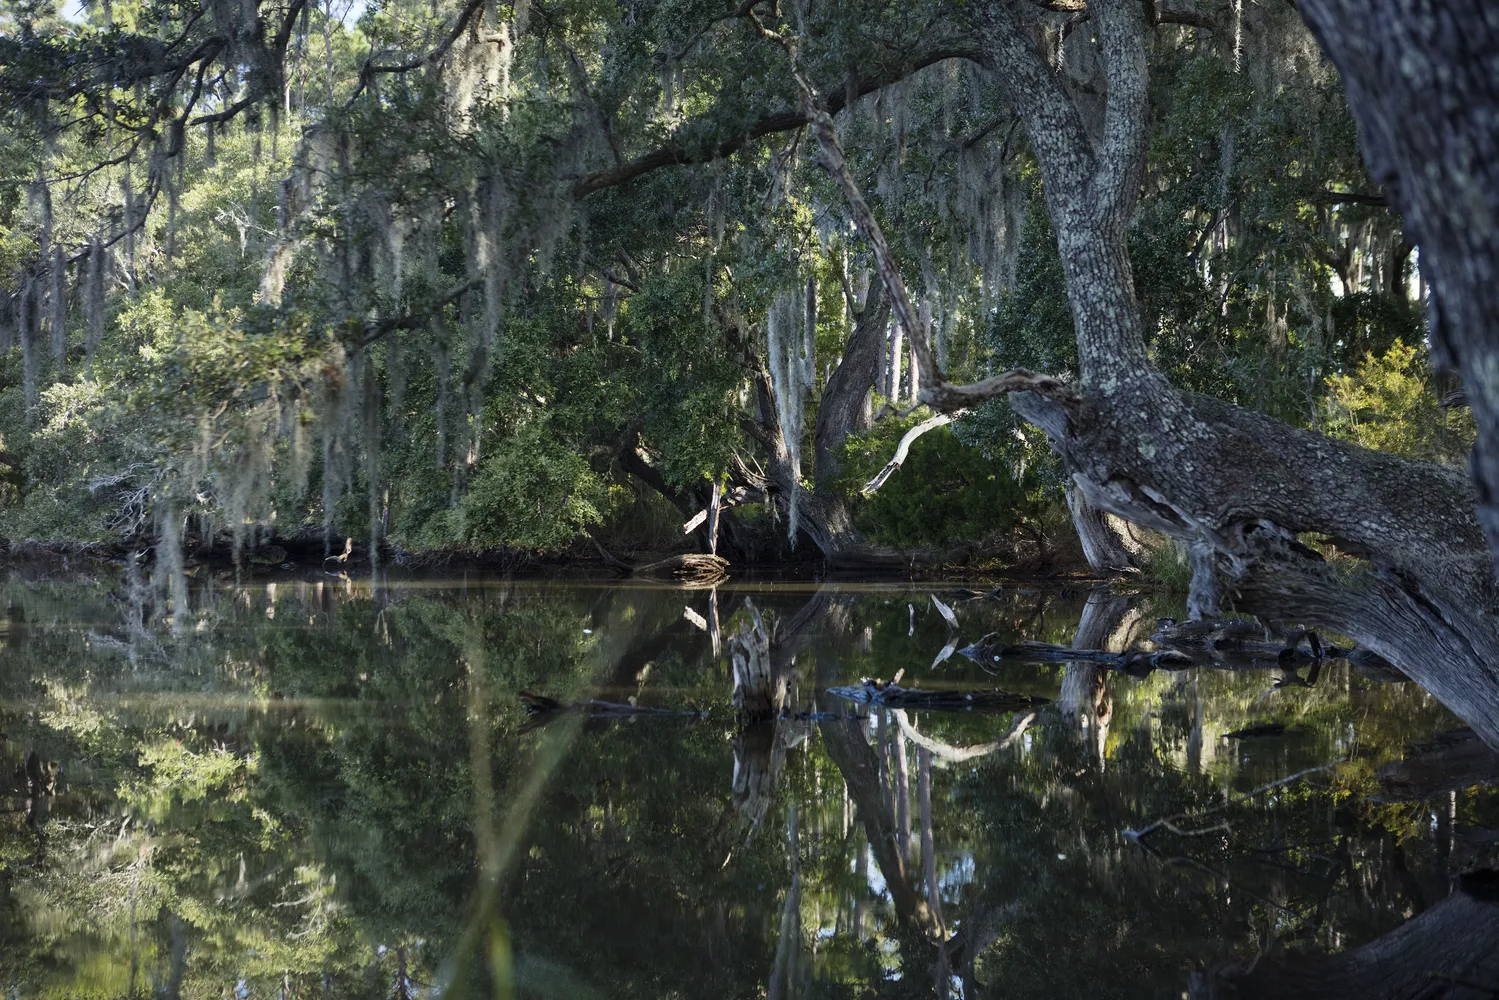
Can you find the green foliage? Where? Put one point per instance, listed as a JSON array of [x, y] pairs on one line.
[[530, 493], [382, 302], [945, 493], [1387, 404], [305, 799]]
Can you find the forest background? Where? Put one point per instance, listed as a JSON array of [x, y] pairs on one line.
[[549, 277]]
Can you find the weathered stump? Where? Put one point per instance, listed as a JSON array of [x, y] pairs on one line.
[[759, 691]]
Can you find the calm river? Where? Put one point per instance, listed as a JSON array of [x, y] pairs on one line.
[[316, 790]]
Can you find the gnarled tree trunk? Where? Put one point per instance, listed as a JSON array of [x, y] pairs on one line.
[[823, 515], [1234, 485], [1102, 544]]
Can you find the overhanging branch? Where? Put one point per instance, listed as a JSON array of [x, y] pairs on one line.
[[904, 449], [678, 153]]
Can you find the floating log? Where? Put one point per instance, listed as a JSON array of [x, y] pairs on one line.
[[987, 652], [1209, 648], [1238, 635]]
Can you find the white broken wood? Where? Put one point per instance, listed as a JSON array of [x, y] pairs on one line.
[[946, 612]]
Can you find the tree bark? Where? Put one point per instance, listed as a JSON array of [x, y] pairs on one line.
[[1423, 84], [1232, 484], [1103, 546], [822, 514], [840, 411]]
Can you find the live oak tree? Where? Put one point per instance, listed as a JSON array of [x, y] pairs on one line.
[[479, 260]]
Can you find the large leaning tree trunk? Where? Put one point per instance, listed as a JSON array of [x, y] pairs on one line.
[[1233, 485], [1423, 83]]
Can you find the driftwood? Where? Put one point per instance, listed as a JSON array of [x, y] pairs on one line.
[[694, 569], [1450, 762], [877, 694], [691, 569]]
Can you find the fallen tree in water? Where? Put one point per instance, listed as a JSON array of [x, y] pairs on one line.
[[1217, 644]]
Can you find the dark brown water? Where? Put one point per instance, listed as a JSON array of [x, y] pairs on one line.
[[315, 791]]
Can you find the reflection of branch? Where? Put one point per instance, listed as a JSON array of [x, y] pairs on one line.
[[957, 755], [1169, 822]]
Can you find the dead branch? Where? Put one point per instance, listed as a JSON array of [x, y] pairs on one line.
[[904, 449]]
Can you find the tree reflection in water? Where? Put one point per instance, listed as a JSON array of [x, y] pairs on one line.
[[329, 792]]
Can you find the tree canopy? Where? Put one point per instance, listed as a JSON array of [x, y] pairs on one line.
[[483, 275]]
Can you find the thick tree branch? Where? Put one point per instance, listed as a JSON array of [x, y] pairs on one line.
[[420, 318], [370, 70], [680, 152]]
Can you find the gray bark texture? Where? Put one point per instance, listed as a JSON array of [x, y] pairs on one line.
[[840, 412], [1423, 83], [1103, 546], [1234, 485]]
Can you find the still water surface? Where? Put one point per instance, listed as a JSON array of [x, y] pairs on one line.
[[320, 791]]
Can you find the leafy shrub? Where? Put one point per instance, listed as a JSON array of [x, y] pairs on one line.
[[1388, 405], [946, 492], [530, 493]]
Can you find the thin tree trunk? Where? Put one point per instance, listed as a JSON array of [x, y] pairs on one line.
[[924, 316], [855, 760], [902, 790], [897, 350], [928, 834]]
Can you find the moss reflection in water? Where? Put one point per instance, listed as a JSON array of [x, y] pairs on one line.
[[325, 791]]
